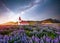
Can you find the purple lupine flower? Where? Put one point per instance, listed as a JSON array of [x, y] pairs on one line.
[[37, 39], [10, 38], [52, 41], [15, 41], [1, 36], [21, 30], [41, 41], [48, 39], [6, 37], [59, 37], [58, 33], [33, 37], [56, 40], [30, 41], [1, 40], [5, 41], [44, 37]]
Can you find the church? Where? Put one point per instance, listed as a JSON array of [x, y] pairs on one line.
[[22, 22]]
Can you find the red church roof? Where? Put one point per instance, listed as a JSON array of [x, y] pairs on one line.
[[23, 22]]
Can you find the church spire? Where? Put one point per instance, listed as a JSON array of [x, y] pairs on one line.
[[19, 20]]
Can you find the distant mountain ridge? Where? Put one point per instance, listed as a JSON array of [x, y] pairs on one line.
[[50, 21], [43, 21], [10, 23]]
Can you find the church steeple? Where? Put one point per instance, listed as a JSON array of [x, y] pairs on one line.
[[19, 20], [22, 22]]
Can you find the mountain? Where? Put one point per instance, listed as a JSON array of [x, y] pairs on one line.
[[35, 22], [10, 23], [50, 21]]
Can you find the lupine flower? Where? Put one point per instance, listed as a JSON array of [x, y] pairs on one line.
[[1, 40], [48, 40], [20, 36], [1, 36], [41, 41], [37, 39], [56, 40]]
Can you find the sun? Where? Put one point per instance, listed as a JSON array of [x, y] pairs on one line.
[[22, 12]]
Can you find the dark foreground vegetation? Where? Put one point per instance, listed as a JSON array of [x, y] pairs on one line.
[[29, 34]]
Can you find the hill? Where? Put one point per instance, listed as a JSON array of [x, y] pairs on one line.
[[50, 21], [35, 22], [10, 23]]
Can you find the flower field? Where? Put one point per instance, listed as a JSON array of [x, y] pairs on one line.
[[29, 34]]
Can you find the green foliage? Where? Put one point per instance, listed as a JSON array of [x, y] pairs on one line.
[[12, 41], [51, 34], [28, 33], [27, 28], [41, 34], [7, 32]]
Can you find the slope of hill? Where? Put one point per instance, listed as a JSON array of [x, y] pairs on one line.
[[47, 21], [10, 23], [50, 21]]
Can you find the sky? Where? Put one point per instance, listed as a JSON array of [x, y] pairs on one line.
[[37, 10]]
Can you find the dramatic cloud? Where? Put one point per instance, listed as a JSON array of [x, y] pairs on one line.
[[29, 9]]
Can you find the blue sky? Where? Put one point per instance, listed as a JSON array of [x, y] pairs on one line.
[[39, 10]]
